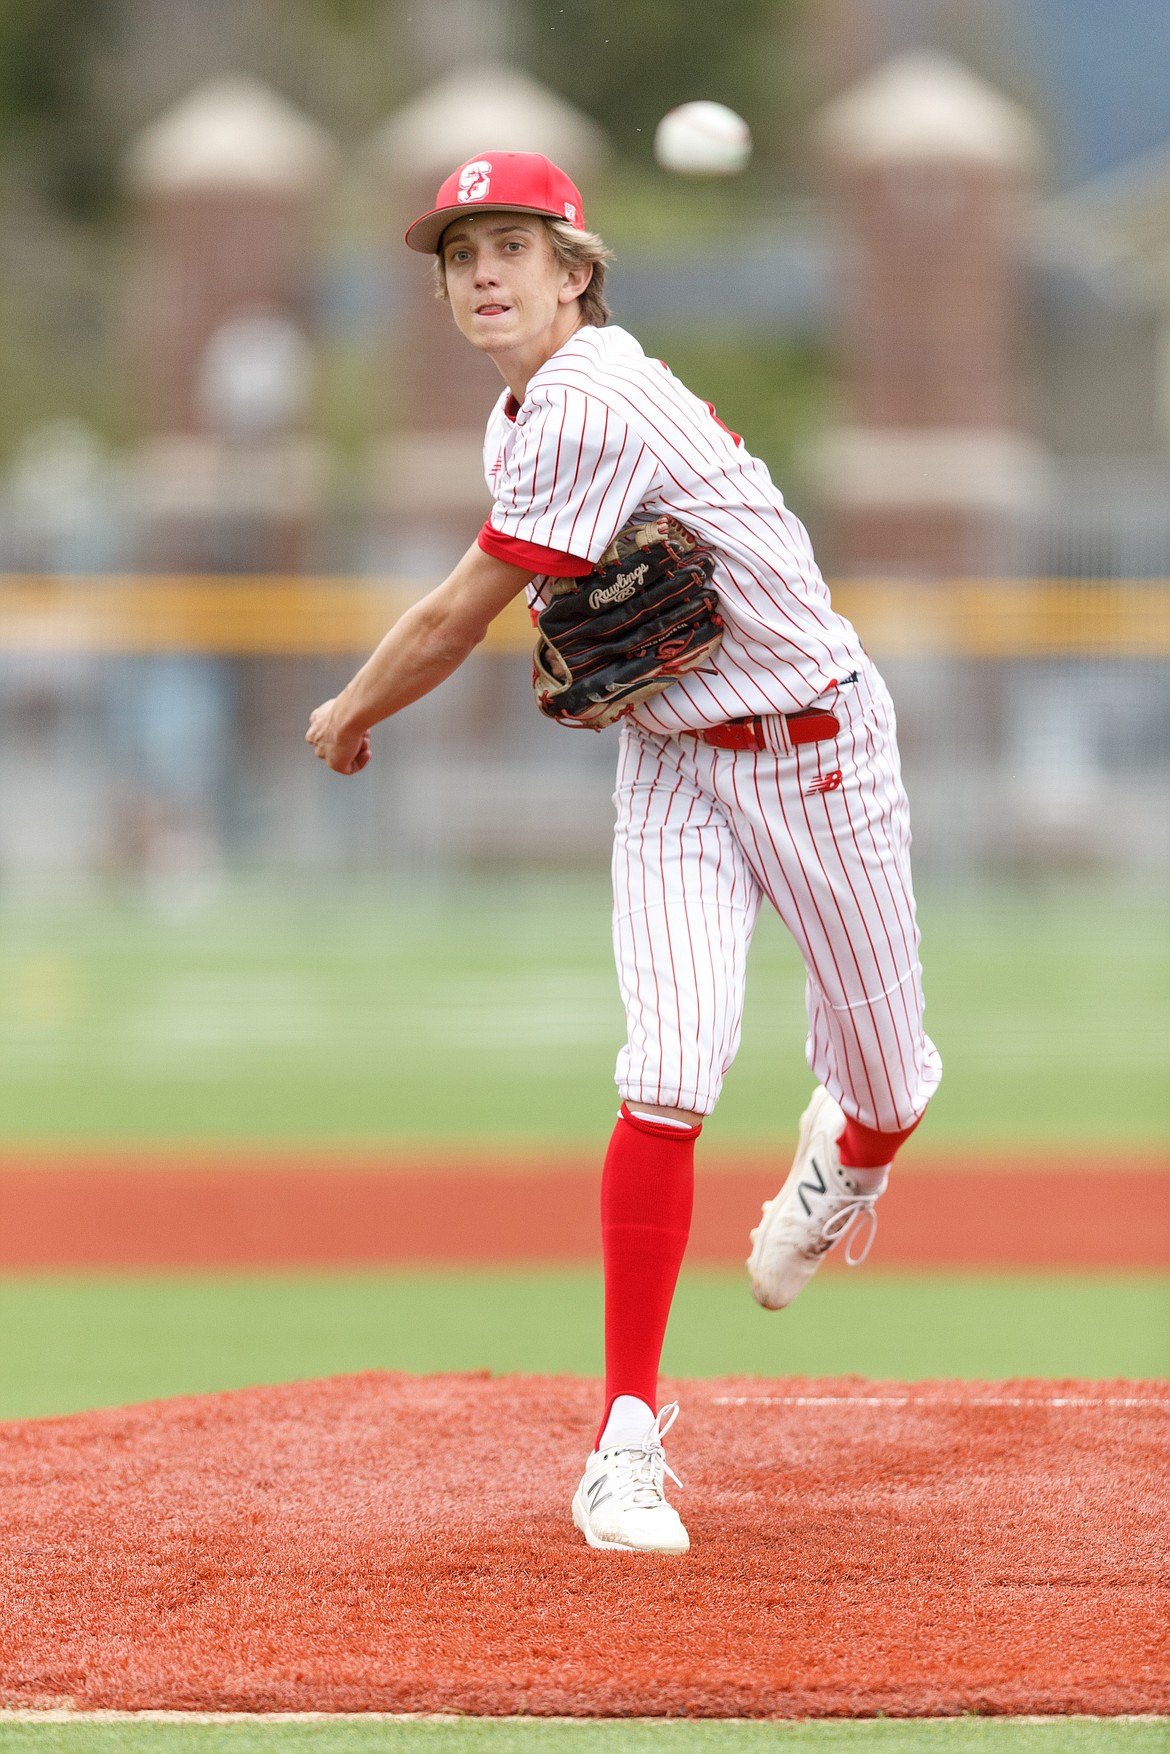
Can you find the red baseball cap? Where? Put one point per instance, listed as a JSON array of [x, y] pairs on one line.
[[499, 182]]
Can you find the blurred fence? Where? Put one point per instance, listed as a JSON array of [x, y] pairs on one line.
[[155, 725]]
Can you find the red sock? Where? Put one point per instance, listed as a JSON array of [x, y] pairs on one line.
[[647, 1193], [862, 1148]]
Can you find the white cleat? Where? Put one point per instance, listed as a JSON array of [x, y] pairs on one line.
[[818, 1205], [620, 1503]]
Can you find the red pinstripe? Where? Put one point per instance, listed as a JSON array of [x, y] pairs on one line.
[[761, 836], [883, 968], [649, 410], [909, 952], [580, 448], [641, 444], [862, 1072], [605, 436], [836, 802], [627, 959], [583, 496]]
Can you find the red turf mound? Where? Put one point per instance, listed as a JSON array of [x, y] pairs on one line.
[[396, 1543]]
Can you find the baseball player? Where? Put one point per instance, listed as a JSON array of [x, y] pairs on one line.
[[677, 594]]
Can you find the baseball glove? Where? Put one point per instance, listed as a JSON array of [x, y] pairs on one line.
[[643, 617]]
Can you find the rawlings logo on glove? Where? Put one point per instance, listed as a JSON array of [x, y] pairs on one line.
[[622, 633], [620, 591]]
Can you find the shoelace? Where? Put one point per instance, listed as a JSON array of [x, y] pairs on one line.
[[643, 1474], [844, 1222]]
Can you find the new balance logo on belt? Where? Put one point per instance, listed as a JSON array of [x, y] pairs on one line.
[[827, 783]]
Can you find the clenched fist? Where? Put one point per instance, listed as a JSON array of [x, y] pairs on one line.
[[341, 747]]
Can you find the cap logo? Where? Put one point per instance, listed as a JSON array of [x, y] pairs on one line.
[[475, 181], [570, 213]]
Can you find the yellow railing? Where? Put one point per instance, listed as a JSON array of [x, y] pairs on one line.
[[979, 618]]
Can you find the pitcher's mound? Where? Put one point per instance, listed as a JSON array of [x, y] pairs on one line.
[[401, 1543]]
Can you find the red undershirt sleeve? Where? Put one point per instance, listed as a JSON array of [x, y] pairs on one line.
[[549, 561]]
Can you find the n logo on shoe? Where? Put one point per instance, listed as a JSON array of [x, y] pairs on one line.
[[820, 1186], [596, 1495]]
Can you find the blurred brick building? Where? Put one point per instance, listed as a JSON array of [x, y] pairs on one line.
[[930, 170], [228, 186]]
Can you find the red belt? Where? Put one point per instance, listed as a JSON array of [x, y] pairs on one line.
[[813, 725]]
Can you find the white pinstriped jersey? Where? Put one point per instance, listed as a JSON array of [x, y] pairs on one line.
[[607, 436]]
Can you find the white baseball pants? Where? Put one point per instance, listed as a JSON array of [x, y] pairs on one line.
[[822, 830]]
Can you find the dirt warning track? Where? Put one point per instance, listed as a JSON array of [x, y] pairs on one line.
[[391, 1543], [279, 1212]]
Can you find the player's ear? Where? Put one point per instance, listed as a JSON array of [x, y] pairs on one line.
[[576, 279]]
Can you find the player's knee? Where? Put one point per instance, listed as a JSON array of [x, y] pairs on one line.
[[654, 1096], [680, 1116]]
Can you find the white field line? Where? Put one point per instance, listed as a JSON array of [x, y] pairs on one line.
[[1148, 1402], [61, 1715]]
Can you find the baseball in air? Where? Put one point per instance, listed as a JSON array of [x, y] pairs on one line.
[[703, 140]]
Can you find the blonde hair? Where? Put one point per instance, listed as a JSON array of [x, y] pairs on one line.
[[572, 249]]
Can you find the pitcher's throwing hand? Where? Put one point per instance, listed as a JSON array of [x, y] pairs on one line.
[[342, 748]]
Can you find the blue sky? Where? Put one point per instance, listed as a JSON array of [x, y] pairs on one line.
[[1097, 71], [1105, 66]]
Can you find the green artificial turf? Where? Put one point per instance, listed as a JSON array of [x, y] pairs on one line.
[[72, 1343], [486, 1012], [487, 1736]]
